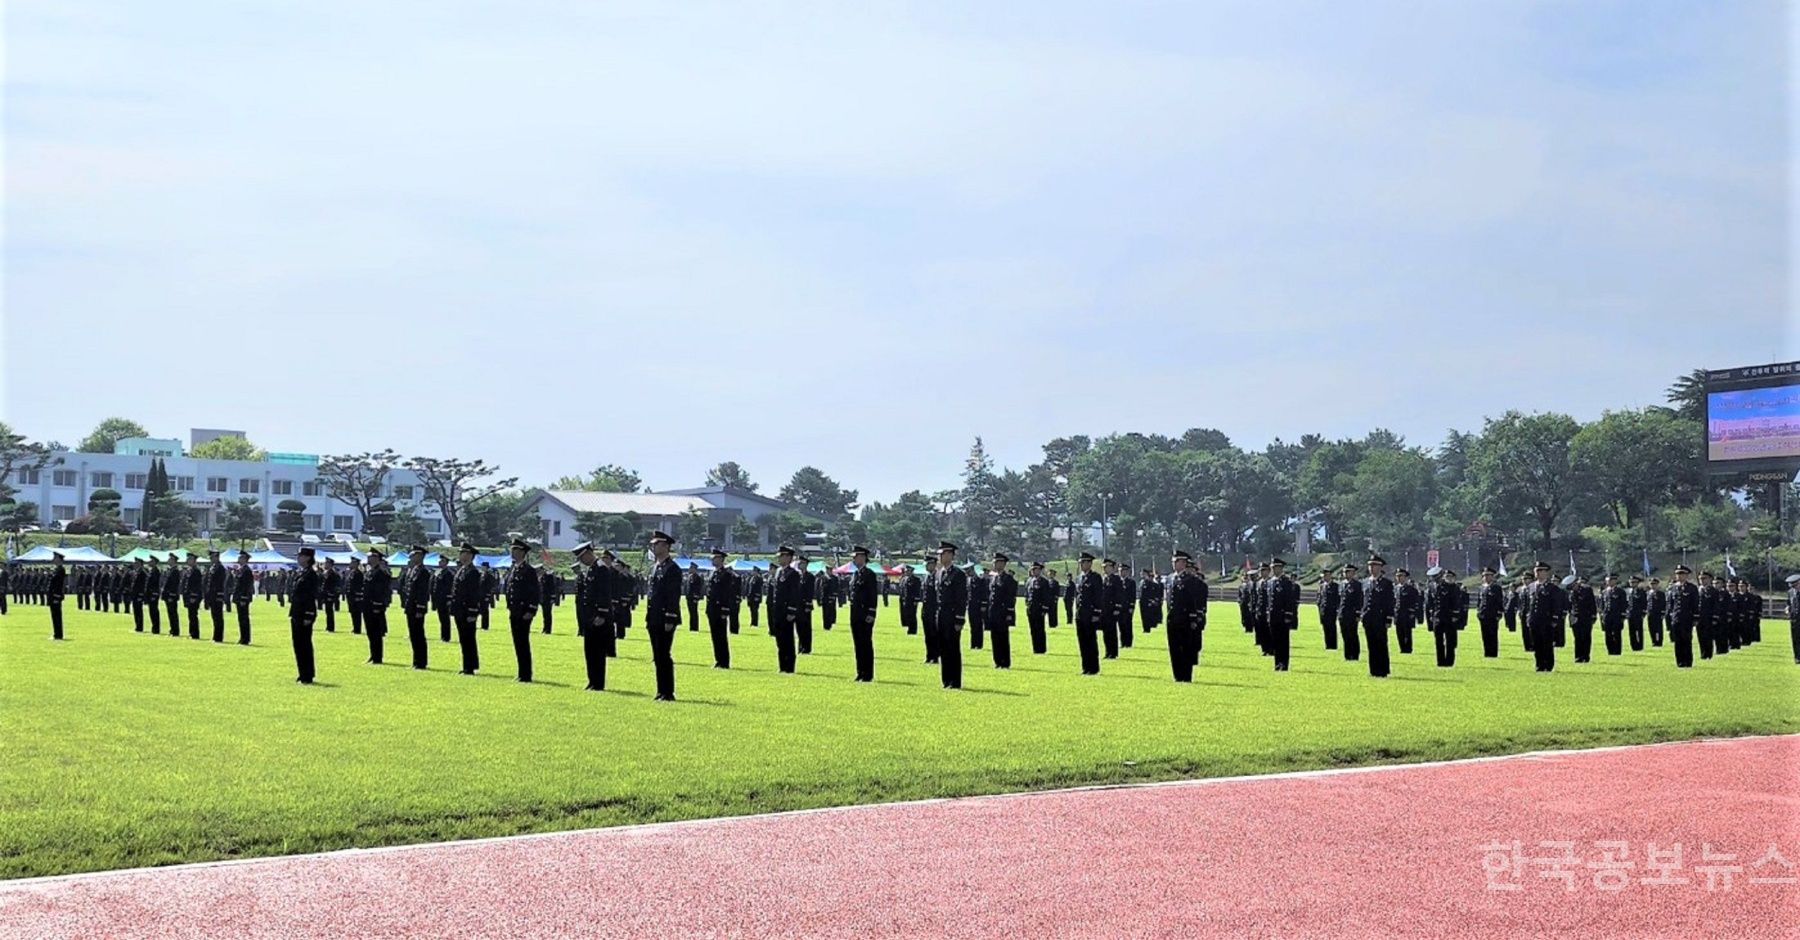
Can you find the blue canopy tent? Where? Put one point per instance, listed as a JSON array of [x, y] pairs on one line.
[[496, 561], [82, 554]]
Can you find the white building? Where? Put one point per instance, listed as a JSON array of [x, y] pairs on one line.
[[724, 507], [62, 488]]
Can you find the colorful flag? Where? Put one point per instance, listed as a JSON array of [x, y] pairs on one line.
[[1646, 561], [1572, 568]]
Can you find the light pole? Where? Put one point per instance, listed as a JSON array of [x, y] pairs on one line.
[[1103, 497]]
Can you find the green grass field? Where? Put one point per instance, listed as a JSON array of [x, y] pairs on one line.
[[125, 749]]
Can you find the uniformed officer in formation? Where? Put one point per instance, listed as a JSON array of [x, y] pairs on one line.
[[549, 594], [863, 598], [443, 593], [171, 594], [1377, 612], [193, 589], [331, 584], [721, 604], [1128, 587], [1112, 599], [57, 587], [1656, 610], [928, 609], [785, 608], [469, 599], [522, 598], [753, 596], [912, 591], [243, 593], [1187, 616], [1637, 606], [1150, 600], [378, 594], [1542, 611], [593, 607], [1327, 603], [978, 606], [1683, 599], [952, 608], [303, 609], [1040, 605], [1002, 609], [1409, 607], [1350, 604], [662, 613], [1490, 607], [415, 603], [1583, 609], [1089, 618], [1613, 604], [153, 594], [1281, 608]]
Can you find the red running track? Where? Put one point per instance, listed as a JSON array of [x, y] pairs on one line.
[[1377, 852]]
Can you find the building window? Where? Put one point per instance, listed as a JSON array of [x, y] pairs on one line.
[[131, 517], [311, 488], [62, 513], [248, 485], [218, 485], [281, 487], [63, 477], [101, 479], [182, 484], [28, 477], [434, 526], [403, 492], [343, 523], [311, 520], [136, 481]]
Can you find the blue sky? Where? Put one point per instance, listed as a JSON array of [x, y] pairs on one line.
[[857, 235]]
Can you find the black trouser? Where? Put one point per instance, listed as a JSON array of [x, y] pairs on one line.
[[137, 615], [355, 607], [1614, 632], [783, 631], [1196, 640], [465, 637], [485, 607], [415, 632], [719, 624], [1490, 635], [1001, 635], [301, 630], [1377, 633], [1069, 608], [662, 650], [1087, 637], [694, 614], [803, 632], [1584, 639], [56, 619], [1352, 644], [1279, 640], [1125, 627], [1328, 625], [193, 619], [1682, 638], [519, 622], [594, 642], [1525, 636], [443, 614], [1703, 632], [1635, 629], [217, 610], [1543, 646], [1445, 638], [909, 617], [154, 609], [1794, 635], [375, 625], [81, 601], [330, 606], [977, 629], [1181, 661], [950, 657], [862, 637], [754, 607], [174, 616], [1050, 611], [929, 626], [548, 607], [828, 615], [1109, 635], [243, 619], [1403, 630], [1034, 621]]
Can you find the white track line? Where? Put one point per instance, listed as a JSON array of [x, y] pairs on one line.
[[6, 886]]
